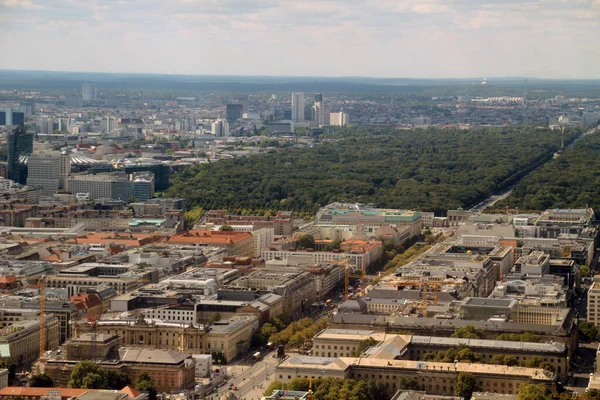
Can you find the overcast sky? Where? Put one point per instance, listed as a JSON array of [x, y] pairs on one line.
[[378, 38]]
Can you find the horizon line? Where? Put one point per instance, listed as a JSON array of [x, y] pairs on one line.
[[302, 76]]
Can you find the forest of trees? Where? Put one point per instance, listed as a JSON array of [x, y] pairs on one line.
[[430, 169], [569, 181]]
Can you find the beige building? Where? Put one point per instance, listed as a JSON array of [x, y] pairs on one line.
[[593, 304], [82, 348], [433, 377], [345, 343], [21, 341], [231, 337]]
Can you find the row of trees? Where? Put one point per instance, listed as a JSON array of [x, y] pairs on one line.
[[465, 354], [431, 169], [470, 332], [298, 332], [338, 389]]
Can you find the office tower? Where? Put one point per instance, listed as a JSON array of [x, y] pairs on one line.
[[220, 128], [14, 118], [326, 114], [287, 114], [100, 186], [234, 112], [18, 143], [49, 170], [298, 107], [242, 99], [319, 109], [18, 118], [47, 126], [109, 124], [89, 92], [141, 187], [28, 108], [2, 118]]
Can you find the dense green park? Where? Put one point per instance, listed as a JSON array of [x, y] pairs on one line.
[[569, 181], [426, 169]]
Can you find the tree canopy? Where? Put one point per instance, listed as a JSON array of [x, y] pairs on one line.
[[568, 181], [468, 332], [430, 169], [144, 384], [341, 389], [89, 375]]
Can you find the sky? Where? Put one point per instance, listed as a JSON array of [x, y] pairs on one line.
[[371, 38]]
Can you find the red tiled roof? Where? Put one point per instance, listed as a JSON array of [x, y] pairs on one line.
[[131, 392], [210, 237], [8, 279]]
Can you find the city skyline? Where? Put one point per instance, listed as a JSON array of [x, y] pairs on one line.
[[424, 39]]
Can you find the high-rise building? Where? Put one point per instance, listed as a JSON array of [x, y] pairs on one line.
[[89, 92], [49, 170], [326, 114], [101, 186], [234, 112], [47, 126], [319, 109], [338, 119], [298, 107], [109, 124], [242, 99], [14, 118], [142, 186], [28, 108], [2, 118], [19, 143], [220, 128]]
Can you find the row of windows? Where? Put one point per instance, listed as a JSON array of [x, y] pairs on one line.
[[334, 347]]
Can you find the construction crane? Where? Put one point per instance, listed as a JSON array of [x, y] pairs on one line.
[[362, 275], [42, 284], [94, 336], [428, 288]]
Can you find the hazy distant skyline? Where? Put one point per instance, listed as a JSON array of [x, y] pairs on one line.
[[371, 38]]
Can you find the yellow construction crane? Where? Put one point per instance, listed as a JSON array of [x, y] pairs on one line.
[[426, 289], [42, 283], [362, 275]]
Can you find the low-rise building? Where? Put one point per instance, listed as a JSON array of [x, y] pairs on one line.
[[234, 243], [433, 377], [169, 370], [21, 341]]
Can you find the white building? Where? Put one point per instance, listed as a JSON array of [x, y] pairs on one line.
[[203, 365], [319, 109], [220, 128], [89, 92], [49, 170], [338, 119], [262, 239], [109, 124], [298, 107]]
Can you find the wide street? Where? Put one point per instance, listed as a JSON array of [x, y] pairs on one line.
[[250, 379]]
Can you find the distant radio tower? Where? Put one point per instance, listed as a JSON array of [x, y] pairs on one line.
[[525, 94]]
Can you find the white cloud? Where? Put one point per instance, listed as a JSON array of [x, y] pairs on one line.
[[26, 4], [428, 38]]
